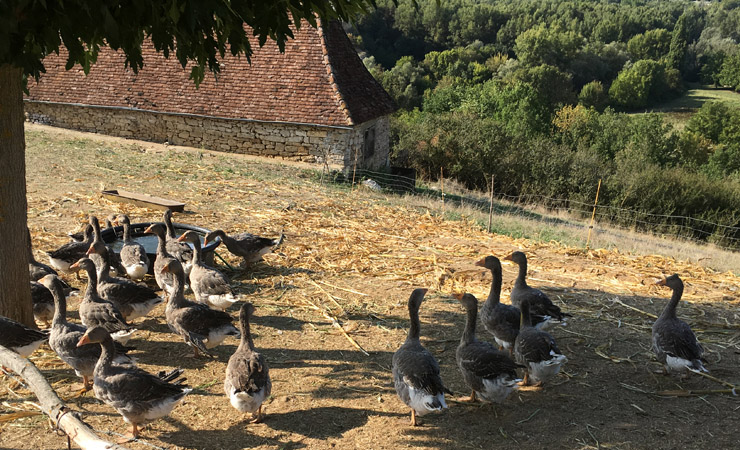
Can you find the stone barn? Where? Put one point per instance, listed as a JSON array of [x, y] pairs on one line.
[[315, 102]]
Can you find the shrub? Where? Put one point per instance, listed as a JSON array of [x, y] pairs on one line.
[[593, 95]]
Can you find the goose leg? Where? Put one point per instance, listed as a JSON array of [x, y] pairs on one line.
[[525, 381], [414, 421], [133, 437], [470, 399], [86, 386], [258, 417]]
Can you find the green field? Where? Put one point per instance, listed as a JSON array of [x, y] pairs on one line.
[[679, 110]]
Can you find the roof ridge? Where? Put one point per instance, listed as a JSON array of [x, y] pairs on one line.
[[330, 72]]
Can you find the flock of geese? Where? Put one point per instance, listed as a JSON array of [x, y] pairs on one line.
[[97, 349], [523, 344]]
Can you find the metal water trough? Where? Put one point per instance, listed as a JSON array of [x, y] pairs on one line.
[[114, 237]]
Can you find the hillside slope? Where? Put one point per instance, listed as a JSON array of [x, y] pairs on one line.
[[353, 257]]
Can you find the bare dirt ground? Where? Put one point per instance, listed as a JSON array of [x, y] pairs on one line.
[[354, 257]]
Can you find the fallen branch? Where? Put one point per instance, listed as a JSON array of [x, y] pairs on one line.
[[331, 297], [343, 289], [617, 300], [50, 404], [695, 392], [716, 380], [335, 322]]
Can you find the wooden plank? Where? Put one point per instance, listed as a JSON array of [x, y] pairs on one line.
[[143, 200]]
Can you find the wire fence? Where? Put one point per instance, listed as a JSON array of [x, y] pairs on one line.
[[547, 209]]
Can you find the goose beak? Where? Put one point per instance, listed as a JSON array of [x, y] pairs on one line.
[[90, 250], [148, 229], [165, 269], [181, 238], [458, 295], [205, 241], [83, 341], [75, 266], [660, 282], [481, 263], [508, 258]]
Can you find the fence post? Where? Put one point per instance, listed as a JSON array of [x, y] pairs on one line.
[[490, 209], [442, 187], [354, 170], [593, 214]]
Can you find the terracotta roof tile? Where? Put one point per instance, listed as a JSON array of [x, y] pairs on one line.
[[319, 80]]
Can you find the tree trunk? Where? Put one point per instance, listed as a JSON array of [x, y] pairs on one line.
[[15, 293]]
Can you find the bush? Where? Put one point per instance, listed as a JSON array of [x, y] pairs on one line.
[[729, 74], [467, 147], [644, 83], [593, 95], [711, 120]]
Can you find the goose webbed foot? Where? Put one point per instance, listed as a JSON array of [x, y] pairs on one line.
[[471, 399], [134, 436], [525, 380], [257, 417]]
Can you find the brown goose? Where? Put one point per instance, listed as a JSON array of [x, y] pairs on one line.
[[36, 270], [133, 255], [79, 235], [43, 303], [20, 338], [164, 279], [175, 247], [137, 395], [132, 299], [66, 255], [415, 371], [114, 260], [97, 312], [250, 247], [539, 303], [247, 381], [490, 373], [208, 284], [499, 319], [201, 327], [537, 351], [674, 343], [64, 336]]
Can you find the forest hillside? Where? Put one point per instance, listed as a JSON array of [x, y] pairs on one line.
[[539, 95]]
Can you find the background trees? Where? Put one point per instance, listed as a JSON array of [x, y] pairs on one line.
[[543, 95]]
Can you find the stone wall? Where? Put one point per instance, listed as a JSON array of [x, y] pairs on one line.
[[299, 142]]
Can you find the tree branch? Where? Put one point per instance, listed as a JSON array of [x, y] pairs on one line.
[[66, 419]]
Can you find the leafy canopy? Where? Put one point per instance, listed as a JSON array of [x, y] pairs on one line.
[[201, 31]]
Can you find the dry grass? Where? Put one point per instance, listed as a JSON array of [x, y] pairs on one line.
[[342, 278], [543, 225]]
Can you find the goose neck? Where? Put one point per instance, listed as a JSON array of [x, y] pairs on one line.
[[670, 309], [60, 304], [494, 296], [468, 335]]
